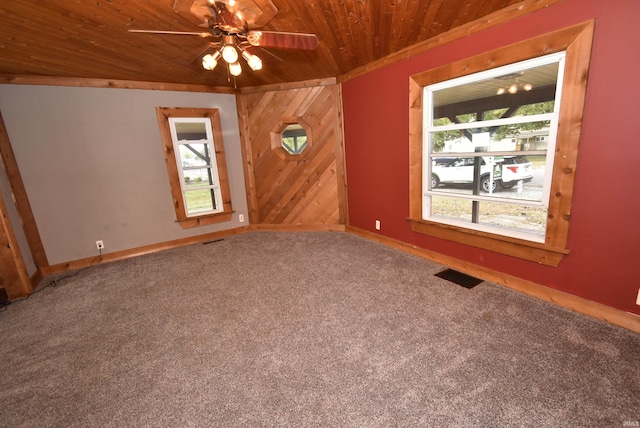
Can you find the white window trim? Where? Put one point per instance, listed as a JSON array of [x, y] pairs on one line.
[[213, 165], [428, 129]]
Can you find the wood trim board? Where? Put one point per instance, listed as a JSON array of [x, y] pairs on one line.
[[139, 251], [568, 301], [149, 249], [500, 17], [22, 201], [111, 83], [574, 303]]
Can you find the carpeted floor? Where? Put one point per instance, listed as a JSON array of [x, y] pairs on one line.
[[305, 330]]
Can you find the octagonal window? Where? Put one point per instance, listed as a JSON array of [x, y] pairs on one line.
[[291, 139], [294, 138]]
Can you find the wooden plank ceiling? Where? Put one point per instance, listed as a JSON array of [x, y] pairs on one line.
[[90, 39]]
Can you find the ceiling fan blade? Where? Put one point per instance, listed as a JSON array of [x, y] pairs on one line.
[[269, 59], [182, 33], [274, 39]]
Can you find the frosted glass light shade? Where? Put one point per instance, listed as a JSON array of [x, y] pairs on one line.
[[230, 54], [209, 61], [235, 69], [254, 61]]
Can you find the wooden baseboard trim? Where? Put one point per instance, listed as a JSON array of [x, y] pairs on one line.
[[148, 249], [298, 227], [568, 301], [134, 252], [35, 279]]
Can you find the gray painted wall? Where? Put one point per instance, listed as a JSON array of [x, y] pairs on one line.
[[93, 166]]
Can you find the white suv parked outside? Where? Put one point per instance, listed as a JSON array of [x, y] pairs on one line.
[[507, 172]]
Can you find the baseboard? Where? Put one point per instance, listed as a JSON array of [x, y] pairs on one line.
[[298, 227], [148, 249], [134, 252], [568, 301], [35, 279]]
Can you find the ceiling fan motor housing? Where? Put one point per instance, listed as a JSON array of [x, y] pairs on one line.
[[230, 22]]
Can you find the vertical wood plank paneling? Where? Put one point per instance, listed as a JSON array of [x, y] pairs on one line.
[[295, 192]]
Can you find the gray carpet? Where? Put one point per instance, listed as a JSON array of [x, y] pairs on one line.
[[304, 329]]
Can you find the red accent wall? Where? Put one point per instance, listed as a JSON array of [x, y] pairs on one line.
[[604, 238]]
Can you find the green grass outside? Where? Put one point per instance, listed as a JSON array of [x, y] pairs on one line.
[[199, 200]]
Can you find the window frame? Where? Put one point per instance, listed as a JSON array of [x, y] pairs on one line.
[[430, 127], [275, 137], [174, 167], [576, 41]]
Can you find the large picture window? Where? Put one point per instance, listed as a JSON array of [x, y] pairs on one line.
[[494, 143], [194, 153], [489, 147]]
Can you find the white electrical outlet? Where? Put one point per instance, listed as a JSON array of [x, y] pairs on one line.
[[100, 245], [241, 218], [638, 298], [377, 224]]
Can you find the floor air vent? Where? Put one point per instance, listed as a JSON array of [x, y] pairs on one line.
[[459, 278]]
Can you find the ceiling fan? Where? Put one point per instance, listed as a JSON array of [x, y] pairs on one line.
[[233, 26]]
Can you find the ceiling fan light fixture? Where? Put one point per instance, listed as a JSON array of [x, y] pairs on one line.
[[230, 54], [227, 23], [254, 61], [209, 61], [235, 69]]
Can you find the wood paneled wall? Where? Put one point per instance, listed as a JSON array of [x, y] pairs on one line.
[[310, 190]]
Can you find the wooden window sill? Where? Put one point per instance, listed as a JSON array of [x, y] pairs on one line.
[[205, 220], [519, 248]]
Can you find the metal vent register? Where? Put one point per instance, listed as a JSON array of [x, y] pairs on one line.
[[459, 278]]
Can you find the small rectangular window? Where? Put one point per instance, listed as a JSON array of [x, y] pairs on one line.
[[194, 150], [194, 153]]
